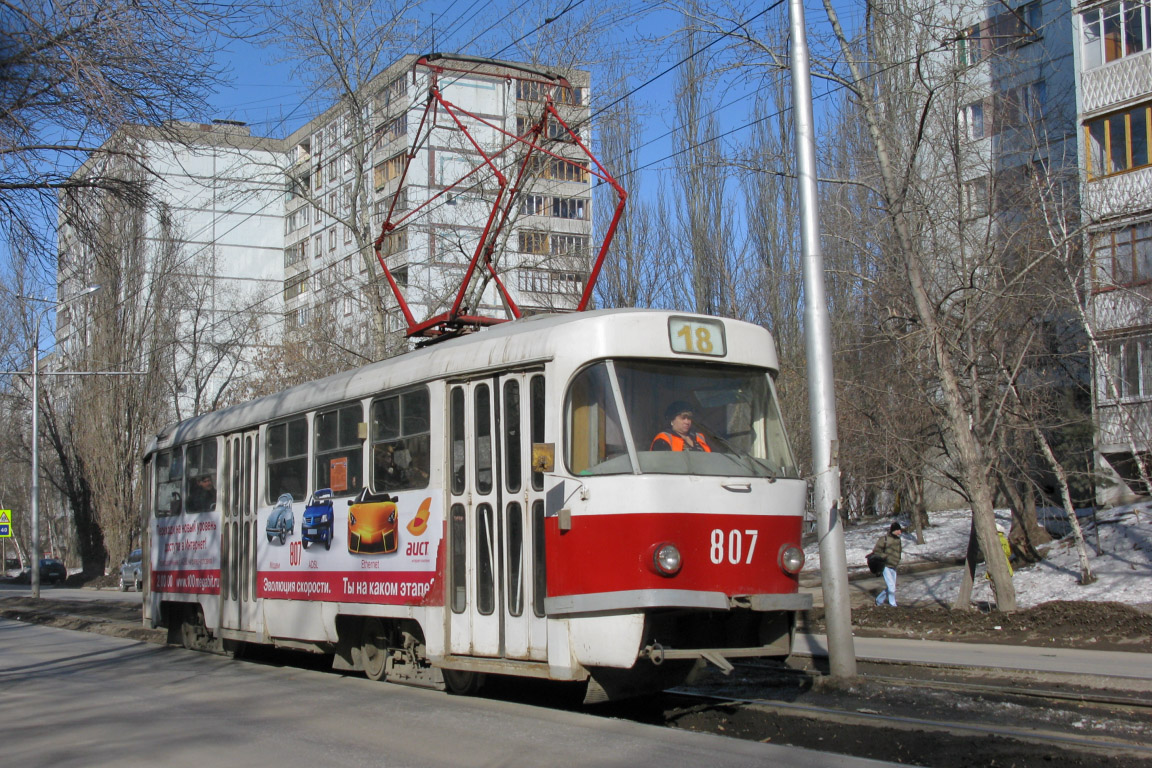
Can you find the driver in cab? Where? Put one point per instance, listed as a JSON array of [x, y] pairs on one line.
[[680, 436]]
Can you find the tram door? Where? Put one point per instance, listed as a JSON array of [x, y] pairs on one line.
[[495, 516], [238, 539]]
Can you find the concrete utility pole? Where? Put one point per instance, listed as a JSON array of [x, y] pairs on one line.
[[818, 349], [35, 500]]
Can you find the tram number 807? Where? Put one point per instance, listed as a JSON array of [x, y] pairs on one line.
[[735, 541]]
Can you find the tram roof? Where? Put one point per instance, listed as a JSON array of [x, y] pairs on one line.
[[535, 340]]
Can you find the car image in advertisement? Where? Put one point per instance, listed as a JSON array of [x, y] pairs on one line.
[[385, 550]]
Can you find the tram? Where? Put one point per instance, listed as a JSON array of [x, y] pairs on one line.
[[494, 504]]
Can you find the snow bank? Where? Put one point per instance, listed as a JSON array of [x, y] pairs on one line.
[[1119, 548]]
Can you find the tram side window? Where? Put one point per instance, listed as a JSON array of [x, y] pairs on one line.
[[339, 451], [401, 441], [200, 495], [457, 440], [288, 459], [169, 483], [536, 392], [595, 436]]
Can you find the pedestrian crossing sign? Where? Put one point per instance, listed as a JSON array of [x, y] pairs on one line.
[[5, 523]]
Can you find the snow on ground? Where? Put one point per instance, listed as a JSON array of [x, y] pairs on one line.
[[1119, 553]]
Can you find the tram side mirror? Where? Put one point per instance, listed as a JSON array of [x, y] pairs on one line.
[[543, 457]]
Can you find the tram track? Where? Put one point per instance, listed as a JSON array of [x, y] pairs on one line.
[[974, 722], [868, 717]]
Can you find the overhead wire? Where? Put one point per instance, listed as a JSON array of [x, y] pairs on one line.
[[251, 307], [356, 289]]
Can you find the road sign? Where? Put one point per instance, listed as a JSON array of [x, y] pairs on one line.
[[5, 523]]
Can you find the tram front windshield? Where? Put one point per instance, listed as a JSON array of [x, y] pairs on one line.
[[616, 409]]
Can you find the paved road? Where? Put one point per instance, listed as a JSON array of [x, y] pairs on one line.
[[79, 699], [66, 593]]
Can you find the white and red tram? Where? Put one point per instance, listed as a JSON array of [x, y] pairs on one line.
[[491, 504]]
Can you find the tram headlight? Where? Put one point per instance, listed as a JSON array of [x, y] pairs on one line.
[[791, 558], [666, 559]]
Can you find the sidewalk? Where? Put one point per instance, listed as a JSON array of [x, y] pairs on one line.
[[1097, 664]]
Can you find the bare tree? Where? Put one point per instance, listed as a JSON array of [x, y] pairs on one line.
[[77, 71]]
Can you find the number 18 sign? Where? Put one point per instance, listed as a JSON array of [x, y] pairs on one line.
[[697, 336]]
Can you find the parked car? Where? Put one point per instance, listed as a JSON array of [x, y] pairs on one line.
[[52, 571], [281, 523], [132, 571], [316, 525]]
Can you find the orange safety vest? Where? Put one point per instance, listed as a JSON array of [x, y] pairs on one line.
[[679, 444]]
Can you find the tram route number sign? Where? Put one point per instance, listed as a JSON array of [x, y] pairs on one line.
[[697, 336], [5, 523]]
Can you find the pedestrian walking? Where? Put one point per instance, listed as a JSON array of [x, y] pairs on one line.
[[888, 549]]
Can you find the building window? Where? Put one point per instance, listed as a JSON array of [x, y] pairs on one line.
[[332, 238], [1122, 256], [972, 120], [533, 205], [534, 90], [555, 130], [394, 242], [392, 129], [534, 242], [318, 246], [1119, 142], [976, 197], [569, 245], [1019, 107], [388, 170], [317, 214], [970, 46], [550, 281], [1115, 30], [294, 254], [295, 285], [567, 170], [1128, 362], [569, 207], [393, 93], [548, 244]]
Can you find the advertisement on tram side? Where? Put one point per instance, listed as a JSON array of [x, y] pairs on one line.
[[371, 548], [187, 555]]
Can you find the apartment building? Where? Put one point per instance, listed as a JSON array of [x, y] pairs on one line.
[[350, 167], [1114, 104], [198, 261], [282, 230]]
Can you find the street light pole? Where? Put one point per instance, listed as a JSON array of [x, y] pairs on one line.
[[35, 505], [818, 351]]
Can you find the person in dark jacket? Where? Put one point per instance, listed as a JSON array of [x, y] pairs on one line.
[[888, 549], [681, 436]]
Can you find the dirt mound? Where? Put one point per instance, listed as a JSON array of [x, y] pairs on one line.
[[1058, 624]]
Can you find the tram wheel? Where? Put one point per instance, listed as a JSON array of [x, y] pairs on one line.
[[462, 682], [374, 649], [192, 634]]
